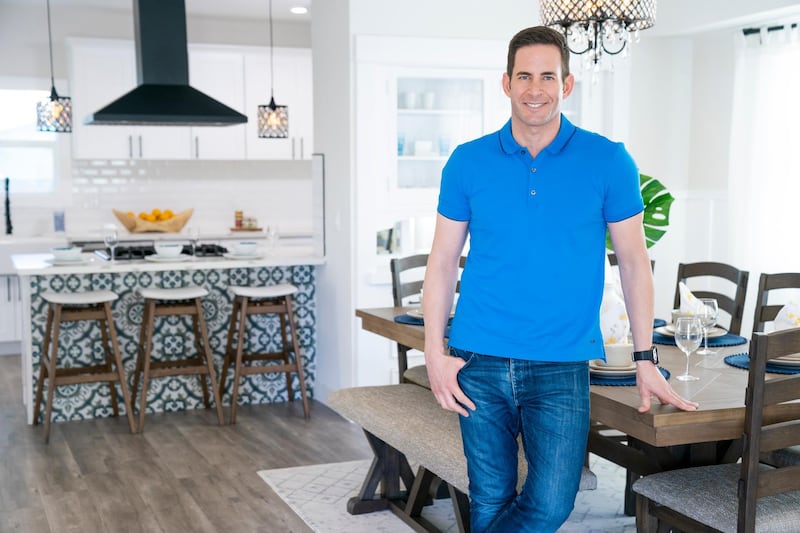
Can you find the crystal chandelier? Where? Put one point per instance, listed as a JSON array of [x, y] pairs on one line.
[[54, 113], [273, 119], [598, 26]]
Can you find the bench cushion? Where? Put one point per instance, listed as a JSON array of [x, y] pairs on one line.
[[408, 418]]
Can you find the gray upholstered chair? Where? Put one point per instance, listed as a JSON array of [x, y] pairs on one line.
[[746, 496], [732, 305]]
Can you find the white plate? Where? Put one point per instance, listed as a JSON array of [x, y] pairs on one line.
[[242, 257], [791, 357], [177, 259], [669, 331], [595, 365], [612, 373], [417, 313], [58, 262]]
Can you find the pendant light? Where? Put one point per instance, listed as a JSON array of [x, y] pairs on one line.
[[55, 112], [273, 120]]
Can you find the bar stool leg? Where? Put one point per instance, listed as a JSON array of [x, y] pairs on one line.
[[237, 372], [112, 390], [199, 349], [147, 342], [226, 362], [297, 357], [285, 347], [209, 360], [44, 363], [51, 371], [126, 399], [140, 352]]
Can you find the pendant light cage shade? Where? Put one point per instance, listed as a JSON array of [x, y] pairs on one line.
[[273, 121], [600, 26], [54, 113]]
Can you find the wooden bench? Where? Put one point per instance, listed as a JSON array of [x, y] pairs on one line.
[[404, 425]]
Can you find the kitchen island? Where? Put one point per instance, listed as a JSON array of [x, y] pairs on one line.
[[289, 264]]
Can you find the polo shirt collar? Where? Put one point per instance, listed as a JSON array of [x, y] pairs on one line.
[[565, 133]]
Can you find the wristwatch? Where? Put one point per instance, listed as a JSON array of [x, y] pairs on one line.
[[647, 355]]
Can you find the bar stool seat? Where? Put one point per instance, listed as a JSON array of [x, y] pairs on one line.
[[74, 307], [249, 301], [183, 301]]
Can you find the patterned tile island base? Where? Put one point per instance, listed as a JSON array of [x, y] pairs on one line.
[[80, 342]]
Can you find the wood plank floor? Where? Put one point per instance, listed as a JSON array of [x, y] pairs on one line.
[[184, 474]]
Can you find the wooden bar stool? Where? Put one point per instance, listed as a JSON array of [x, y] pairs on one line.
[[249, 301], [74, 307], [185, 301]]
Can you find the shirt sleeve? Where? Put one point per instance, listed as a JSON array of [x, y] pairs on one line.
[[623, 195], [453, 202]]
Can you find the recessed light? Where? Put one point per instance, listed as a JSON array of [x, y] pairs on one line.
[[299, 10]]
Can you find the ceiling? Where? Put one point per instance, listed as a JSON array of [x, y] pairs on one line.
[[217, 8]]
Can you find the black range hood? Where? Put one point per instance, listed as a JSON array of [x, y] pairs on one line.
[[163, 96]]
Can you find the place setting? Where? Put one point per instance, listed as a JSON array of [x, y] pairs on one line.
[[786, 364], [618, 368], [706, 310], [168, 252], [413, 316], [244, 250], [67, 256]]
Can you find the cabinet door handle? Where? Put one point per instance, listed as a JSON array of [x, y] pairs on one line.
[[196, 147], [130, 146], [302, 149], [140, 146], [292, 147], [8, 288]]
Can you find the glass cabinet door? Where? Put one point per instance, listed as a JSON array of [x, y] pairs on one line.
[[434, 115]]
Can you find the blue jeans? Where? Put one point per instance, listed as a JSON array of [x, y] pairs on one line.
[[548, 405]]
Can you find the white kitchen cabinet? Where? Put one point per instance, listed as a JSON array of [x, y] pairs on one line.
[[292, 88], [101, 71], [219, 73], [10, 309]]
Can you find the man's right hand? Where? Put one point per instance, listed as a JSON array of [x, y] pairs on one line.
[[443, 375]]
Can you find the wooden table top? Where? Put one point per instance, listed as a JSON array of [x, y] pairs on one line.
[[720, 390]]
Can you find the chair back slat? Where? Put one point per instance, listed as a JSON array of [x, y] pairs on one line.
[[773, 482], [764, 311], [777, 436], [732, 305]]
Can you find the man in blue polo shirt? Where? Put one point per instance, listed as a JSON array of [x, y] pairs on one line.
[[535, 198]]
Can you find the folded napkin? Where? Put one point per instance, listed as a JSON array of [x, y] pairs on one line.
[[690, 304], [788, 317], [613, 316]]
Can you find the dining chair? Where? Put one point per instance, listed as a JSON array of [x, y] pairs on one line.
[[746, 496], [766, 312], [732, 305], [407, 276]]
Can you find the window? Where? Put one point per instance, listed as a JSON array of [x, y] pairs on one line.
[[27, 156]]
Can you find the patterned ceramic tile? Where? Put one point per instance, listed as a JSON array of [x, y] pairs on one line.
[[80, 341]]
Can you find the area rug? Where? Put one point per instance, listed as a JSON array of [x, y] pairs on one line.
[[319, 494]]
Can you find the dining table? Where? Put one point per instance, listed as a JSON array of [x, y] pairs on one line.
[[661, 438]]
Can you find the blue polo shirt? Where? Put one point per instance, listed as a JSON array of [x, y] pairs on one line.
[[533, 281]]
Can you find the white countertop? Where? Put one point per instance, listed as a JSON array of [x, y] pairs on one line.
[[41, 264]]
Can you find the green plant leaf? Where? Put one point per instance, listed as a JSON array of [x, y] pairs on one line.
[[657, 203]]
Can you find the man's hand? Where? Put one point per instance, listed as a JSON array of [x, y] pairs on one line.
[[650, 383], [443, 375]]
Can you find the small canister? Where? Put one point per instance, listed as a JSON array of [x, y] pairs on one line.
[[238, 216]]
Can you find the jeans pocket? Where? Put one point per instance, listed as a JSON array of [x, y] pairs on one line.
[[467, 356]]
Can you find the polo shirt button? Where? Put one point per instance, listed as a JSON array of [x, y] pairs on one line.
[[533, 169], [533, 192]]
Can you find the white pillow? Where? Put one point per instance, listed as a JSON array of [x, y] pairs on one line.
[[788, 317]]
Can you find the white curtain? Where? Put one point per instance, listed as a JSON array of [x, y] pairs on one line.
[[764, 183]]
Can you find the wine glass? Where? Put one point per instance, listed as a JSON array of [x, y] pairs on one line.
[[194, 237], [688, 334], [111, 239], [708, 317]]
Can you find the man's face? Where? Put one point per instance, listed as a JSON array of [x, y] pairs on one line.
[[535, 87]]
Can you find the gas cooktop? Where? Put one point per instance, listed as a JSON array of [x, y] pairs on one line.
[[142, 251]]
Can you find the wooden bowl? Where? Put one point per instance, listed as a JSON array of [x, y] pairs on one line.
[[137, 225]]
